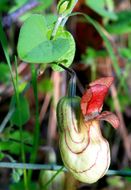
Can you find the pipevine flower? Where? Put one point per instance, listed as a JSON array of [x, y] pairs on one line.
[[84, 150]]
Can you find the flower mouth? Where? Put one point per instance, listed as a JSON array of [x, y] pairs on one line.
[[91, 116]]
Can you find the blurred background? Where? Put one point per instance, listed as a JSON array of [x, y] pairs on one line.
[[92, 61]]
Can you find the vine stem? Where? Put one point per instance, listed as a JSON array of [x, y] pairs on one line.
[[72, 82], [58, 23], [52, 178]]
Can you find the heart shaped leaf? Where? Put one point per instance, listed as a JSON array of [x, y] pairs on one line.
[[67, 57], [35, 47]]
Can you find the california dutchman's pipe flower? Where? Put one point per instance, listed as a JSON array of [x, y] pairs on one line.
[[85, 152]]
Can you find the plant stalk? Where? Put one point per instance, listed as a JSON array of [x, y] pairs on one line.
[[37, 123]]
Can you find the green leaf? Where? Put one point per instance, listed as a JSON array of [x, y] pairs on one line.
[[128, 179], [99, 7], [67, 47], [4, 5], [125, 52], [16, 176], [91, 54], [20, 186], [20, 2], [50, 19], [17, 4], [115, 181], [22, 114], [45, 85], [35, 47], [4, 73], [27, 137], [1, 156], [122, 25], [32, 33], [47, 52], [13, 147], [67, 58], [43, 5]]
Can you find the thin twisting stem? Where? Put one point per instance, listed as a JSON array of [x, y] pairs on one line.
[[72, 82], [72, 86], [52, 178], [37, 123], [56, 27]]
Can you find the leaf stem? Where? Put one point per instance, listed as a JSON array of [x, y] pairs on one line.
[[4, 44], [52, 178], [21, 130], [72, 82], [37, 124], [60, 18]]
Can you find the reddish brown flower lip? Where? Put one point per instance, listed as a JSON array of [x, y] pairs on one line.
[[92, 101], [109, 117]]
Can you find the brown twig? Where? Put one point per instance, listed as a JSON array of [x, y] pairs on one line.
[[51, 133], [44, 107]]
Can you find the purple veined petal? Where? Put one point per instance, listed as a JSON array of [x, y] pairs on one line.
[[109, 117]]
